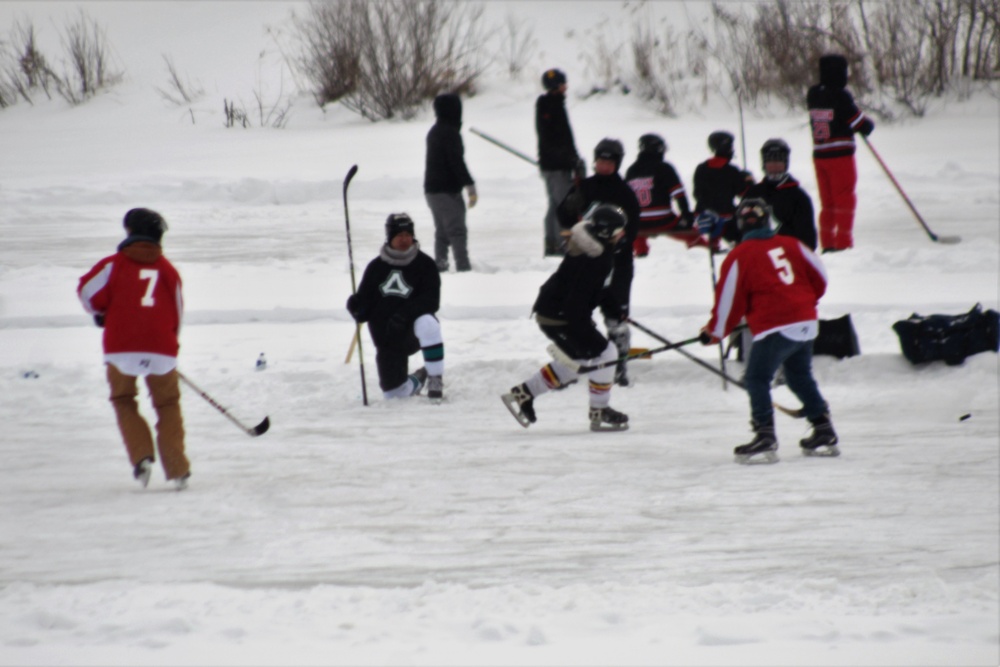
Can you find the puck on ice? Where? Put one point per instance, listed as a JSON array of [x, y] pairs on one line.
[[964, 417]]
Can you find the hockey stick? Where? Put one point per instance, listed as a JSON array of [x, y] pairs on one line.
[[259, 429], [354, 287], [722, 352], [556, 352], [948, 240], [797, 414], [497, 142], [350, 350]]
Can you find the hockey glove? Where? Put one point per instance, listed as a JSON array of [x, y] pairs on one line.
[[710, 224], [705, 338], [353, 307], [99, 320], [580, 171]]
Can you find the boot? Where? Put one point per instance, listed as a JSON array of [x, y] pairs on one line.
[[608, 419], [521, 404], [435, 388], [823, 439], [418, 378], [143, 469], [762, 449]]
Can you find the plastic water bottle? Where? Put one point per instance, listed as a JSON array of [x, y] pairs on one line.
[[261, 362]]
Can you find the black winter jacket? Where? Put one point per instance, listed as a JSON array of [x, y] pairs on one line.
[[445, 170], [556, 148]]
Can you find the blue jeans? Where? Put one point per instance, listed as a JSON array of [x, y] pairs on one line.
[[766, 355]]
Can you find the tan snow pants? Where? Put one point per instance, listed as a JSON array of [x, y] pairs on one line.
[[166, 397]]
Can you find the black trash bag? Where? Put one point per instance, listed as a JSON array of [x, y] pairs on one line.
[[948, 338], [837, 338]]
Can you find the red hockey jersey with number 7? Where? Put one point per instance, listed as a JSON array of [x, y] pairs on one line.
[[138, 291], [770, 279]]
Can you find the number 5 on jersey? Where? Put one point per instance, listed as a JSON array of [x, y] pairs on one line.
[[782, 265]]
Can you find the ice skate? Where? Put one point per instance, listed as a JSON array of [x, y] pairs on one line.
[[822, 441], [435, 388], [181, 483], [419, 379], [608, 419], [143, 469], [521, 404], [762, 449]]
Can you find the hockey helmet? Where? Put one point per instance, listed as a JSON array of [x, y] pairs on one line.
[[775, 150], [753, 213], [553, 78], [604, 221], [397, 223], [145, 224], [652, 143], [721, 143], [610, 149]]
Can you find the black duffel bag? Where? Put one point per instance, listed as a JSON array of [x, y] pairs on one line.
[[948, 338]]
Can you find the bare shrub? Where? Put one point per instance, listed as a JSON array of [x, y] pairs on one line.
[[235, 116], [25, 71], [90, 67], [383, 58], [517, 45], [179, 91], [665, 64]]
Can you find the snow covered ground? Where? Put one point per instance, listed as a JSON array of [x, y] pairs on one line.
[[405, 533]]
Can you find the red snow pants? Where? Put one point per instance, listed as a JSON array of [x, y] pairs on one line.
[[836, 178]]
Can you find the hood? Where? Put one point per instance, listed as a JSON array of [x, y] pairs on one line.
[[140, 249], [448, 108], [833, 71]]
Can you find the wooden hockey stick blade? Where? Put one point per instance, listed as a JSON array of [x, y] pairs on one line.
[[354, 344], [795, 414], [639, 352]]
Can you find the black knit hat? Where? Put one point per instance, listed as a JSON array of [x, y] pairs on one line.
[[553, 78], [144, 224], [397, 223]]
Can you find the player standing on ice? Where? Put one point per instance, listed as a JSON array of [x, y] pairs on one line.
[[718, 184], [564, 312], [399, 294], [607, 187], [776, 283], [135, 295], [791, 207], [558, 159], [656, 186], [834, 119]]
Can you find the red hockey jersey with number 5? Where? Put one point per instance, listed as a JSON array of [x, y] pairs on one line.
[[138, 291], [770, 279]]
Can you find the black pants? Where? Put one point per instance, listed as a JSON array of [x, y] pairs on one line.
[[393, 361], [579, 341]]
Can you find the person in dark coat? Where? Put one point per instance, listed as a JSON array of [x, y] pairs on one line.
[[607, 187], [791, 207], [657, 185], [445, 174], [564, 312], [718, 185], [835, 119], [558, 160], [399, 296]]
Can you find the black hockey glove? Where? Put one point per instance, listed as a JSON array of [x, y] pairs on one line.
[[353, 308], [99, 320]]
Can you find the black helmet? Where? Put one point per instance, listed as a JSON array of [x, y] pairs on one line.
[[775, 150], [604, 221], [397, 223], [721, 143], [144, 223], [610, 149], [753, 213], [553, 78], [652, 143]]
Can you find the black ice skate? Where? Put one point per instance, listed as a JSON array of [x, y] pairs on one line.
[[822, 441], [143, 469], [608, 419], [435, 388], [762, 449], [621, 375], [521, 404]]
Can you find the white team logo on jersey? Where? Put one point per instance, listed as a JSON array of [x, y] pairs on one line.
[[394, 285]]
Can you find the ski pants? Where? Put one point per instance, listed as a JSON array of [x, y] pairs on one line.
[[166, 397], [583, 344], [836, 179], [448, 210], [766, 356], [557, 185]]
